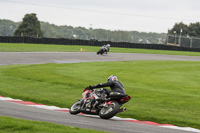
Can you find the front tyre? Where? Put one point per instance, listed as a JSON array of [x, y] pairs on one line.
[[99, 52], [109, 110], [75, 108]]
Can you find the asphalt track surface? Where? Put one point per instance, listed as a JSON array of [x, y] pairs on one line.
[[7, 58], [32, 113]]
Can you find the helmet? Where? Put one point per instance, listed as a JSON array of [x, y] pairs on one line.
[[108, 45], [112, 78]]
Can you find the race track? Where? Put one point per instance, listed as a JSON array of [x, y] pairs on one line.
[[31, 113], [7, 58], [65, 118]]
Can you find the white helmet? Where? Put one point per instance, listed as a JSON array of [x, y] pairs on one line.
[[112, 78]]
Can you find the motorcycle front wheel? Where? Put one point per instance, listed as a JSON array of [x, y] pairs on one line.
[[75, 108], [109, 110], [101, 51]]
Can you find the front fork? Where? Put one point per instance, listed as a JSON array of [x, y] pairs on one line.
[[87, 103]]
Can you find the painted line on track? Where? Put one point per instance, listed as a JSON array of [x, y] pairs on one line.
[[31, 104]]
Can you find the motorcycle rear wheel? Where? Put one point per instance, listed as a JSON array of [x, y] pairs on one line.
[[75, 108], [109, 111]]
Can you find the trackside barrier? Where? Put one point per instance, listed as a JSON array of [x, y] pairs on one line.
[[65, 41]]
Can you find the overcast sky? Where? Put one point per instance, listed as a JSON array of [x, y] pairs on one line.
[[132, 15]]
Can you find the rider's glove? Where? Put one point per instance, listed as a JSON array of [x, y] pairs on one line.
[[90, 87]]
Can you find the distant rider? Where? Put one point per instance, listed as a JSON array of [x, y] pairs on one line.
[[107, 48]]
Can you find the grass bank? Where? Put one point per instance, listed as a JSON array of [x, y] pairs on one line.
[[12, 125], [162, 91], [18, 47]]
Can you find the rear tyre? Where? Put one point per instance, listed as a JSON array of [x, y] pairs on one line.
[[109, 111], [102, 51], [75, 108]]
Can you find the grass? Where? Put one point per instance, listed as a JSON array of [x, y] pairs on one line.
[[12, 125], [18, 47], [161, 91]]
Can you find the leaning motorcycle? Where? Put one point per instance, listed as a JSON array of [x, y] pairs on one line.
[[96, 102], [102, 50]]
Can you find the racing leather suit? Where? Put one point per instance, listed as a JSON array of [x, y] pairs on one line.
[[115, 86]]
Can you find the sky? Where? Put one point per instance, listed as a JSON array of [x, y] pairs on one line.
[[129, 15]]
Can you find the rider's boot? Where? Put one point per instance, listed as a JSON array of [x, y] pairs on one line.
[[122, 110]]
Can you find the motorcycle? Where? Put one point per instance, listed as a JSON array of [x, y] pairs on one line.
[[102, 50], [95, 102]]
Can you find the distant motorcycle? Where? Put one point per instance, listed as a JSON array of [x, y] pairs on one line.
[[102, 50], [95, 102]]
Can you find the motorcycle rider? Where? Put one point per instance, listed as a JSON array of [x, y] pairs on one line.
[[115, 86], [107, 48], [113, 83]]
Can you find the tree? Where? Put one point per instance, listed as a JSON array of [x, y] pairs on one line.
[[177, 27], [30, 26], [54, 31], [7, 27], [194, 29]]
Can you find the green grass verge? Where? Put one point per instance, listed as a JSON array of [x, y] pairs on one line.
[[161, 91], [12, 125], [15, 47]]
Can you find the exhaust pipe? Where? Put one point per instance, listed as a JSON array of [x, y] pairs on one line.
[[122, 110]]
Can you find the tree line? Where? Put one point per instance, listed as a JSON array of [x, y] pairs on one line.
[[31, 26], [193, 29]]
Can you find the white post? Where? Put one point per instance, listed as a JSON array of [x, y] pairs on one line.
[[191, 42], [107, 35], [180, 37], [167, 39], [91, 31], [175, 37], [119, 36], [95, 35]]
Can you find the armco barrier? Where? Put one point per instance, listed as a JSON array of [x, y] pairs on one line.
[[64, 41]]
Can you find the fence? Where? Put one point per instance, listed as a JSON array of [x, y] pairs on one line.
[[183, 41], [64, 41]]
